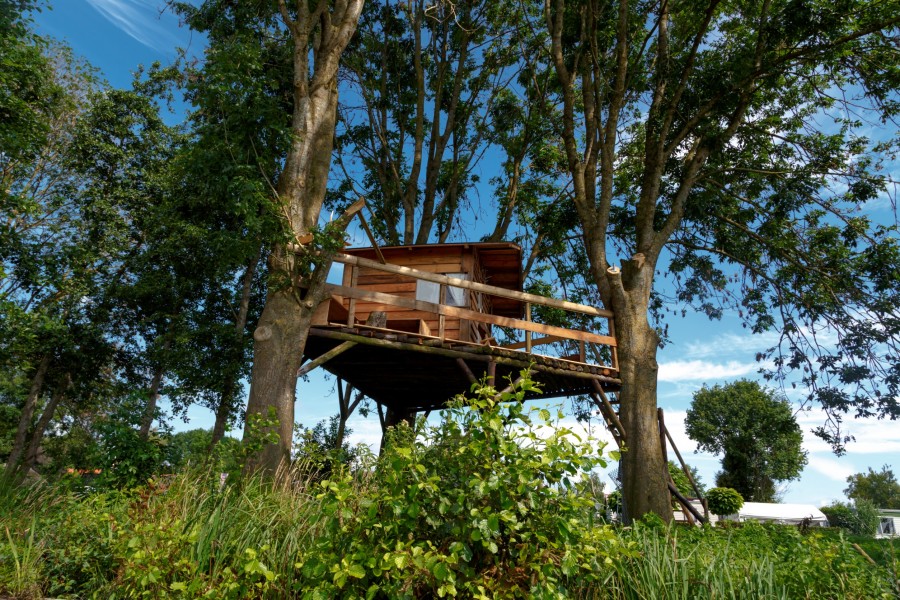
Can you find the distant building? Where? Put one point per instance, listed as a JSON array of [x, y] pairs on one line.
[[889, 525]]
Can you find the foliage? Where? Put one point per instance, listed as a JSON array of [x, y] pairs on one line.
[[755, 430], [860, 518], [317, 448], [724, 501], [880, 488], [125, 457], [472, 506], [683, 483], [191, 537]]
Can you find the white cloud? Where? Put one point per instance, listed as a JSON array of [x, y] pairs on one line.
[[873, 436], [140, 19], [731, 344], [702, 370], [830, 467]]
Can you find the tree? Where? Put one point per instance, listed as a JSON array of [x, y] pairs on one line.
[[755, 430], [880, 488], [721, 143], [724, 501], [434, 81], [316, 36]]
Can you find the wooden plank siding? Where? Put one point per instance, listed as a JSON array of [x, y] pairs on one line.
[[431, 260]]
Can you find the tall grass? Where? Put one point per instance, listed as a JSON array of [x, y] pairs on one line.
[[666, 570]]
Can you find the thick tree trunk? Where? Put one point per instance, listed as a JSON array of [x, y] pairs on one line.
[[18, 447], [279, 341], [295, 291], [643, 469]]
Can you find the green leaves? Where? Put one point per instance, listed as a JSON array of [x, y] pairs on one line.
[[476, 506]]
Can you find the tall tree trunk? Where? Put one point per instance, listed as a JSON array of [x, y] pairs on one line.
[[296, 288], [40, 429], [643, 470], [18, 447]]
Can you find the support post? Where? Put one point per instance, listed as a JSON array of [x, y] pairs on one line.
[[351, 309], [339, 349], [528, 333]]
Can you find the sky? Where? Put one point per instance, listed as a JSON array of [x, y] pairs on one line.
[[118, 35]]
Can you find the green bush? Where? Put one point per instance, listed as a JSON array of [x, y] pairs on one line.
[[724, 501], [861, 519], [481, 505]]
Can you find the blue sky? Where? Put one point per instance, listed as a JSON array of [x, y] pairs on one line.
[[118, 35]]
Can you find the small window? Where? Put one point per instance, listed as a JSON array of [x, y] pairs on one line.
[[428, 291], [457, 296]]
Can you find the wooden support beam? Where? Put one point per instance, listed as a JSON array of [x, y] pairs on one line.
[[534, 342], [471, 352], [464, 313], [685, 503], [684, 466], [371, 237], [351, 308], [467, 371], [607, 406], [339, 349], [528, 344], [492, 372], [474, 286]]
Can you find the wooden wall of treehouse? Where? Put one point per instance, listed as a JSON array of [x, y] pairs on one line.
[[455, 260]]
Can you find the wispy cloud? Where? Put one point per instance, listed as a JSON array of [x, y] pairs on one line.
[[830, 467], [141, 20], [730, 344], [702, 370]]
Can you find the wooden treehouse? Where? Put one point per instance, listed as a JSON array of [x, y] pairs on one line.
[[412, 326]]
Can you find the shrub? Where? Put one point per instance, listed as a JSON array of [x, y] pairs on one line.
[[861, 519], [724, 501], [481, 505]]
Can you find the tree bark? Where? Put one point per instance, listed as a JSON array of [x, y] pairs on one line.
[[296, 287], [18, 447], [40, 429], [644, 471]]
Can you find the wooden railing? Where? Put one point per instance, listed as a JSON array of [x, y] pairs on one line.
[[551, 333]]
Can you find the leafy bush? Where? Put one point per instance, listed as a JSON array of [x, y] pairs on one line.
[[481, 505], [724, 501], [861, 519]]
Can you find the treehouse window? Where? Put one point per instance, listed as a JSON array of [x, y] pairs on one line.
[[457, 296], [428, 291]]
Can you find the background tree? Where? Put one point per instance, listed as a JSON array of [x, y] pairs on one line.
[[878, 487], [683, 483], [724, 501], [755, 430], [722, 144], [433, 90]]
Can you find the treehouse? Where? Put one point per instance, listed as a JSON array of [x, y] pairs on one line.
[[412, 326]]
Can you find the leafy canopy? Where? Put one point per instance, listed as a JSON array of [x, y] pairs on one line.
[[755, 430], [878, 487]]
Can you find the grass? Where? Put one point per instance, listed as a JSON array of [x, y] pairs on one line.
[[191, 538]]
